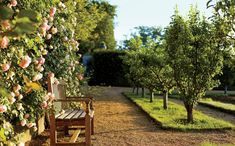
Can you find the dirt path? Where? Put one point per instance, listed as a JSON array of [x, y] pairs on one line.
[[118, 122]]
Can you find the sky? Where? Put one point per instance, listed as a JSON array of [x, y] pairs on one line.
[[133, 13]]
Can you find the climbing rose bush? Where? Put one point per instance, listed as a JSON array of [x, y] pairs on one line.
[[26, 61]]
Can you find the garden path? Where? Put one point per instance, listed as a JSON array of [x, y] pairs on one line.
[[118, 122]]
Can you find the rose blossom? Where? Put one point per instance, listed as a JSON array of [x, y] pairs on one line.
[[23, 122], [17, 87], [5, 67], [35, 128], [80, 77], [44, 104], [52, 11], [4, 42], [54, 30], [20, 97], [37, 77], [13, 3], [11, 99], [19, 106], [6, 24], [49, 36], [41, 60], [24, 63], [3, 108], [26, 116]]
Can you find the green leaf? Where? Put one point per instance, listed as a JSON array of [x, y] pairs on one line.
[[24, 25], [32, 15], [2, 135], [5, 13], [3, 92]]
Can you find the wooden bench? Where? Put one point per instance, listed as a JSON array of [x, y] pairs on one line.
[[74, 119]]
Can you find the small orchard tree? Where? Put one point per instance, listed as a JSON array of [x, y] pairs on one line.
[[161, 72], [134, 45], [194, 57]]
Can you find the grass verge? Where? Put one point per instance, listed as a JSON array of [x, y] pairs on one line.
[[224, 107], [175, 116]]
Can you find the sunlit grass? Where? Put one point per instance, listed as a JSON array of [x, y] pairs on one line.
[[226, 106], [175, 116], [207, 143]]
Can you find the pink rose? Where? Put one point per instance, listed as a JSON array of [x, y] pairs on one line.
[[44, 104], [17, 87], [23, 122], [41, 60], [52, 11], [26, 116], [13, 3], [3, 108], [24, 63], [5, 24], [5, 67], [80, 77], [4, 42]]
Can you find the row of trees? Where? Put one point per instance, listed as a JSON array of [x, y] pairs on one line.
[[188, 57], [38, 37]]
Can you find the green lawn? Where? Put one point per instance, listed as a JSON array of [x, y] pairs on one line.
[[175, 116], [219, 105]]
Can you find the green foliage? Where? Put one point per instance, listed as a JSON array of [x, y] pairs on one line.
[[108, 68], [193, 55], [173, 118], [224, 20], [103, 34]]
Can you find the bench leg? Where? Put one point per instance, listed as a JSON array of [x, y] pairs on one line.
[[92, 126], [53, 137], [88, 130], [66, 130]]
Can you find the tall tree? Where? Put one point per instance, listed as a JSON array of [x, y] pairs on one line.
[[194, 57]]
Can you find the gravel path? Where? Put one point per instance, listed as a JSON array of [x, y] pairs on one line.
[[118, 122]]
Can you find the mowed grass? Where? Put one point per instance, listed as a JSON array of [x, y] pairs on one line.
[[175, 116], [219, 105]]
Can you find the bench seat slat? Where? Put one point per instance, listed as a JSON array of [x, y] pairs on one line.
[[71, 114], [78, 114], [67, 112]]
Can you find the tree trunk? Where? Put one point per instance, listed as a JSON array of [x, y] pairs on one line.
[[133, 89], [189, 108], [165, 99], [143, 93], [151, 96], [137, 90], [225, 89]]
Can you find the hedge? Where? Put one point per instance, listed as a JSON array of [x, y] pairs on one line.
[[108, 68]]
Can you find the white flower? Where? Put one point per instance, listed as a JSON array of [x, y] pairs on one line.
[[54, 30], [11, 99], [23, 122], [20, 97], [19, 106], [49, 36], [37, 77]]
